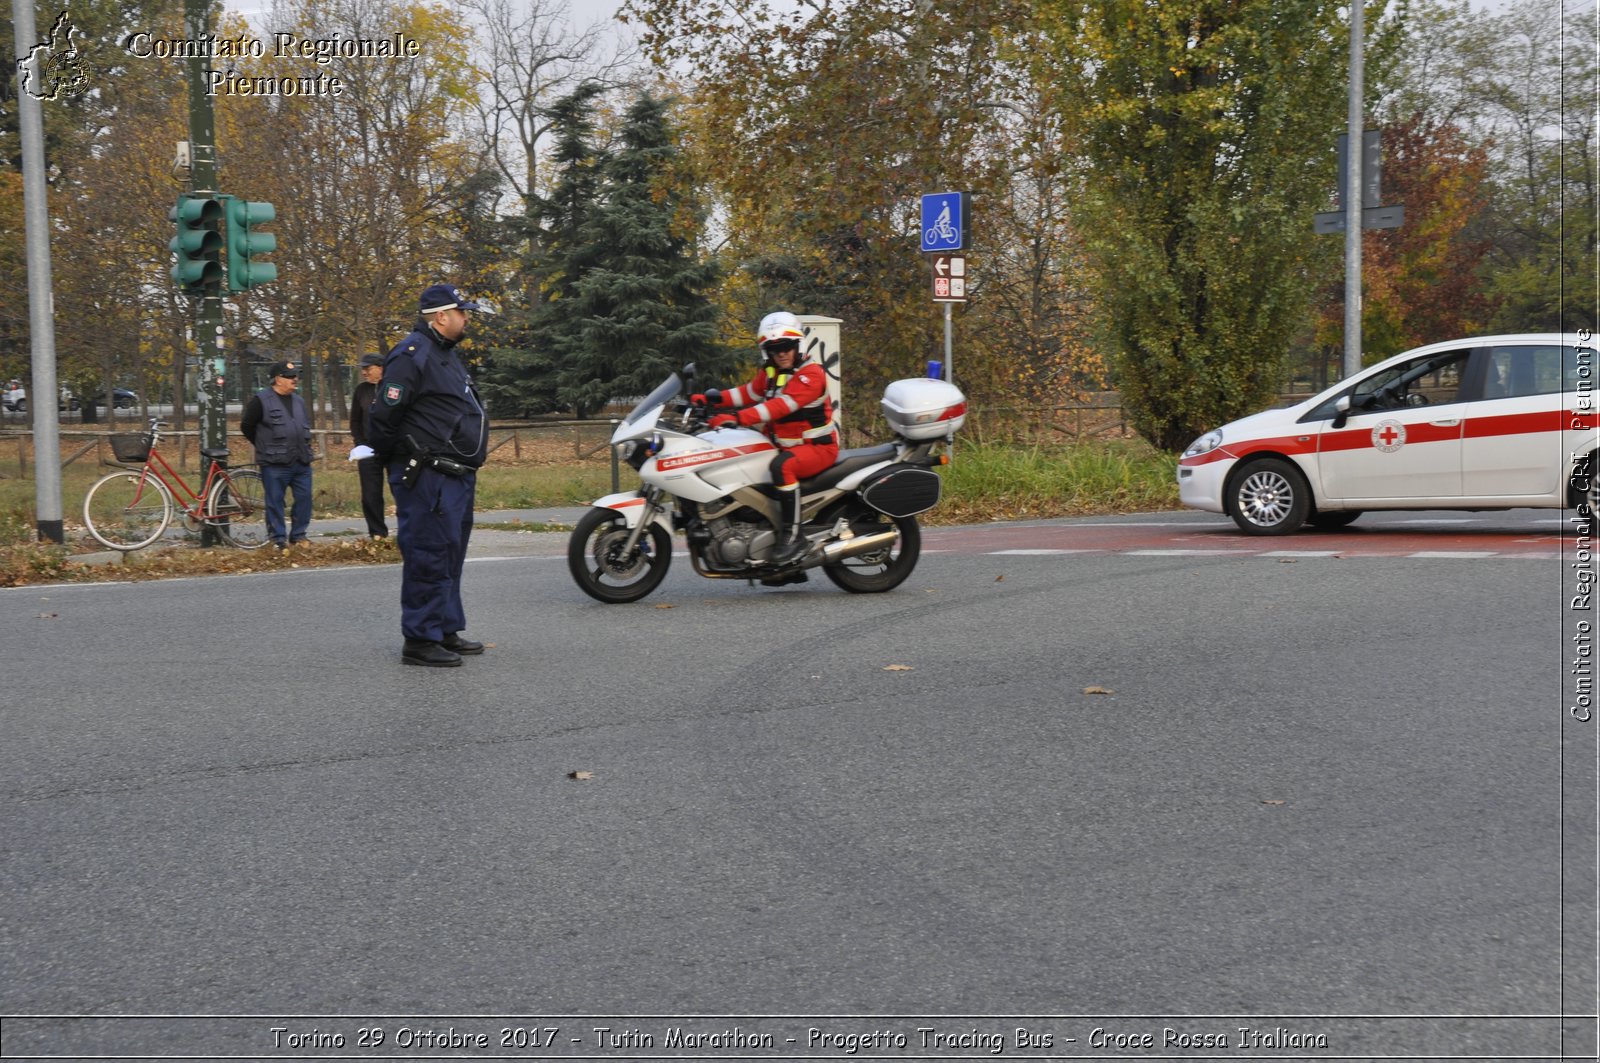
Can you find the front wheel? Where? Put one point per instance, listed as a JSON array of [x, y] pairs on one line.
[[237, 508], [883, 568], [127, 510], [600, 567], [1269, 497]]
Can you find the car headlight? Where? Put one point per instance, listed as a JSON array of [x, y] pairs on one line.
[[1205, 444]]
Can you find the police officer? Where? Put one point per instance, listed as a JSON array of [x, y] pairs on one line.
[[277, 425], [430, 430]]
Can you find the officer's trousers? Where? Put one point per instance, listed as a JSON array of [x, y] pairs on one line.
[[435, 523]]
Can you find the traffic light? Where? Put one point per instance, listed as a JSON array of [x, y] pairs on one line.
[[246, 245], [198, 244]]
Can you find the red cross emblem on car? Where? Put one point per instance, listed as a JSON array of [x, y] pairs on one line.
[[1388, 436]]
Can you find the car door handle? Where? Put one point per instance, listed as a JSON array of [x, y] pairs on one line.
[[1451, 423]]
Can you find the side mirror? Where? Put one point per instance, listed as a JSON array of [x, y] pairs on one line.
[[1342, 405]]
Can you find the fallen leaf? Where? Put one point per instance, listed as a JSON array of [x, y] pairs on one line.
[[580, 774], [1000, 579], [1098, 690], [897, 668], [1287, 561], [664, 605], [1273, 802], [47, 616]]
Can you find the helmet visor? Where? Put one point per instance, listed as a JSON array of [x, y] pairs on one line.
[[781, 346]]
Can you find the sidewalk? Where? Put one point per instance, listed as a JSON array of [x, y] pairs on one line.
[[486, 541]]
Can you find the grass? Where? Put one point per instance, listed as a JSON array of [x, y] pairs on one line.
[[985, 482]]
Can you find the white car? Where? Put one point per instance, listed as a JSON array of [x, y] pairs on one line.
[[1496, 422]]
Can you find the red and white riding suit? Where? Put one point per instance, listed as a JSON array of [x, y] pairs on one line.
[[793, 408]]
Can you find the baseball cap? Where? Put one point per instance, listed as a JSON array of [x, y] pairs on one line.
[[444, 297], [371, 359], [283, 369]]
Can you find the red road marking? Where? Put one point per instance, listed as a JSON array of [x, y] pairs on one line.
[[1375, 541]]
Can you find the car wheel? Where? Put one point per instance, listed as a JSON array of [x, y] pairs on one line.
[[1335, 520], [22, 405], [1269, 497]]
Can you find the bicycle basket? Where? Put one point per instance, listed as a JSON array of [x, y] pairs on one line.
[[130, 447]]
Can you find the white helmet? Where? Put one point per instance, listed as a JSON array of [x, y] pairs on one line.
[[779, 327]]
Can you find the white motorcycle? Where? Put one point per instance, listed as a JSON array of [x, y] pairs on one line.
[[715, 486]]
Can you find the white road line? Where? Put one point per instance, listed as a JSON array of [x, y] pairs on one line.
[[1188, 553], [1038, 553], [1464, 555]]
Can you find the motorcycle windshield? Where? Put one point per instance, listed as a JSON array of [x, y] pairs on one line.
[[655, 400]]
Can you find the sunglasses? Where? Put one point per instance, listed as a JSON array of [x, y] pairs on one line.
[[780, 346]]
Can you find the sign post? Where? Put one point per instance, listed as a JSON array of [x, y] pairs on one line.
[[944, 220]]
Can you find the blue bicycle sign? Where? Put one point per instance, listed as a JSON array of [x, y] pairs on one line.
[[943, 221]]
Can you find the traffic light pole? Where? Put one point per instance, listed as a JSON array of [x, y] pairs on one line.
[[41, 299], [208, 306]]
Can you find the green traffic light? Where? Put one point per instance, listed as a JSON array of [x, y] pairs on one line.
[[197, 245], [245, 245]]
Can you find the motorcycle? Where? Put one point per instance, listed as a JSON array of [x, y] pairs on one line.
[[714, 485]]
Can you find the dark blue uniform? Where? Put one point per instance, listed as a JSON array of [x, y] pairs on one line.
[[426, 408]]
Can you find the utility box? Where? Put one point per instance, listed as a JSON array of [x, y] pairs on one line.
[[822, 340]]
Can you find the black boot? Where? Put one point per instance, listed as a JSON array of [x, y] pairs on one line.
[[429, 655], [791, 544]]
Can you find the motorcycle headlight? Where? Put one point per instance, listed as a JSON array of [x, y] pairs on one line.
[[1205, 444]]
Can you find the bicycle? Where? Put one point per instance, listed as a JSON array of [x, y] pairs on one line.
[[131, 508]]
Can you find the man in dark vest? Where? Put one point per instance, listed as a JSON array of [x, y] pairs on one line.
[[277, 425]]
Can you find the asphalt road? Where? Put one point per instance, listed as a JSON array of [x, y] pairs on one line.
[[1175, 792]]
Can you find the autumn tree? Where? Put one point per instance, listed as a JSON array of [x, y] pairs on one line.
[[1203, 129], [367, 184], [818, 127]]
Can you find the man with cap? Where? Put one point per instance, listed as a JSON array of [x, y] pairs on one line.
[[369, 468], [277, 425], [430, 430]]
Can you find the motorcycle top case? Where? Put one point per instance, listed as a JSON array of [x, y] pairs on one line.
[[922, 408], [902, 490]]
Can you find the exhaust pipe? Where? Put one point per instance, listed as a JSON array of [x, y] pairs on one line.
[[861, 544]]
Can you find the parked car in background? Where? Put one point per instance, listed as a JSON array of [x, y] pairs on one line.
[[17, 399], [121, 398], [1494, 422]]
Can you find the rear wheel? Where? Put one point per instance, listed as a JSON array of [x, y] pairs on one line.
[[237, 508], [127, 510], [1269, 497], [882, 568], [599, 565]]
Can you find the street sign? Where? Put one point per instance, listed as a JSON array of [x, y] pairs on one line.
[[949, 278], [944, 221], [1332, 221]]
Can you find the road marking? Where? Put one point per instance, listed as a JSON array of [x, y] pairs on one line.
[[1302, 553], [1464, 555], [1041, 552], [1188, 553]]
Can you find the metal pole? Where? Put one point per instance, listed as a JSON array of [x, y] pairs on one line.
[[42, 387], [208, 308], [1352, 208], [949, 365]]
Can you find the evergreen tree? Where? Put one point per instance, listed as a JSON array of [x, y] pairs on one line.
[[640, 308], [540, 330]]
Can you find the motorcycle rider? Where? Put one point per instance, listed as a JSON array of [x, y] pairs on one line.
[[787, 399]]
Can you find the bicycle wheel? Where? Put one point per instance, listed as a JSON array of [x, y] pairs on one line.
[[127, 510], [237, 508]]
